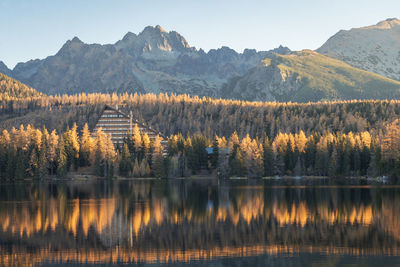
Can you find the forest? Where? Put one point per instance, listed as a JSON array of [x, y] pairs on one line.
[[173, 114], [50, 135], [38, 153]]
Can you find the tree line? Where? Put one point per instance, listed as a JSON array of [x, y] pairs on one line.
[[38, 153], [173, 114]]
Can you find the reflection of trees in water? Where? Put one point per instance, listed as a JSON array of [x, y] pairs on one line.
[[290, 254], [192, 216]]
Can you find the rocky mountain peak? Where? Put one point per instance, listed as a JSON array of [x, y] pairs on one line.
[[128, 36], [76, 40], [154, 39], [385, 25], [71, 46], [393, 20], [153, 31], [283, 50], [158, 27]]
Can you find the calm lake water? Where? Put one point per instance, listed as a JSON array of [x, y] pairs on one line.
[[285, 222]]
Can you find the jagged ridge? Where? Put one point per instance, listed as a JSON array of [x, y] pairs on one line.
[[152, 61]]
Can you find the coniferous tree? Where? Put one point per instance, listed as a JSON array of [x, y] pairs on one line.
[[332, 165], [309, 155], [136, 169], [143, 168], [233, 140], [189, 156], [158, 159], [33, 167], [125, 164], [69, 148], [173, 145], [4, 154], [180, 143], [346, 162], [109, 157], [199, 154], [223, 159], [62, 167], [43, 163], [289, 155], [86, 147], [390, 148], [297, 167], [236, 163], [75, 146], [20, 165], [52, 152], [100, 153], [268, 157], [215, 152], [137, 142]]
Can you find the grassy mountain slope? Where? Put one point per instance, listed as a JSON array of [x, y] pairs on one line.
[[309, 76], [336, 79], [13, 89]]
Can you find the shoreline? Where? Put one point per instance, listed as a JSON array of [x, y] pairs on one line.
[[92, 178]]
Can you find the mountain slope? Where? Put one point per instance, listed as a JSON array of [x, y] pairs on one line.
[[13, 89], [309, 76], [4, 69], [374, 48], [152, 61]]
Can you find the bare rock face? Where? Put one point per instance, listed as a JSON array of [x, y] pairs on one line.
[[153, 40], [375, 48], [263, 83], [152, 61], [4, 69]]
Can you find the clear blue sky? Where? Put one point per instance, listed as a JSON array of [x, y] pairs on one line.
[[37, 28]]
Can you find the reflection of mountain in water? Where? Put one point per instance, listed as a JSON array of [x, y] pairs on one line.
[[184, 221]]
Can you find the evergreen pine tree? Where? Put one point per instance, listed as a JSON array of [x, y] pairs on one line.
[[125, 165], [42, 161], [51, 152], [332, 166], [33, 168], [20, 165], [62, 167], [215, 152], [86, 146], [136, 169], [236, 164], [158, 158], [268, 157]]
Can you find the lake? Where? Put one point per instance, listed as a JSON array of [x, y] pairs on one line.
[[206, 222]]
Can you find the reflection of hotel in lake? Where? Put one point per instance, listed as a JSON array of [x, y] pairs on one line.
[[118, 125], [145, 225]]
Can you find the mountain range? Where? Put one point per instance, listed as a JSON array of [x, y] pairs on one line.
[[359, 63], [152, 61], [309, 76]]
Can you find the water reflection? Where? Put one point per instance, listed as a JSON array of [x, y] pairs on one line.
[[184, 221]]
